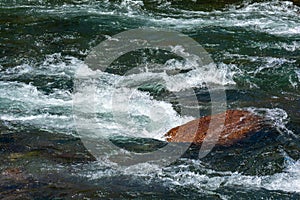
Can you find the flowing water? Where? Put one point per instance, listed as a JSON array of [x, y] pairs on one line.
[[255, 47]]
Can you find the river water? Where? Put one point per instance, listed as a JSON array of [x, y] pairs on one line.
[[255, 47]]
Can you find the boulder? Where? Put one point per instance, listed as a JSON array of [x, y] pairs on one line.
[[238, 125]]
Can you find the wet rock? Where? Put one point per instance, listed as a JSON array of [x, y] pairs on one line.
[[14, 182], [138, 145], [30, 144], [17, 183], [248, 144], [238, 125], [13, 173], [38, 164]]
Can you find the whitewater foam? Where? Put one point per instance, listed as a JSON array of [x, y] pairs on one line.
[[204, 180], [276, 116], [272, 17]]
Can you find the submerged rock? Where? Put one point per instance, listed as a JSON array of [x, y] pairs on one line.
[[31, 144], [238, 125], [296, 2]]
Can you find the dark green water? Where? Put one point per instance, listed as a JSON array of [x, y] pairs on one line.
[[255, 47]]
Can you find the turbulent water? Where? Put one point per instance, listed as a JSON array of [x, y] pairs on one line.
[[255, 47]]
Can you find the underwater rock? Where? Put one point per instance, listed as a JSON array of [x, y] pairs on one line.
[[13, 173], [296, 2], [31, 144], [238, 125]]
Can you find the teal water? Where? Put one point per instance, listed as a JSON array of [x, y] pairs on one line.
[[255, 46]]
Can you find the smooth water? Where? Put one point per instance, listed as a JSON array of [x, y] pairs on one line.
[[255, 46]]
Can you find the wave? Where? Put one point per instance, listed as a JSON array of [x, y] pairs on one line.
[[272, 17], [276, 116], [193, 175]]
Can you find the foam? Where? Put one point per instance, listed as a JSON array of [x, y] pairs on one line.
[[277, 116], [129, 111], [204, 180], [272, 17], [288, 46]]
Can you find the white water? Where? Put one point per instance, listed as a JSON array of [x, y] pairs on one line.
[[133, 112], [273, 17], [143, 111], [149, 117], [207, 181]]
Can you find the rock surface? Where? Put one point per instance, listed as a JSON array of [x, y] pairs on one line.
[[238, 125]]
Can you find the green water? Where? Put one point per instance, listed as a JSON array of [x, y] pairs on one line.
[[255, 47]]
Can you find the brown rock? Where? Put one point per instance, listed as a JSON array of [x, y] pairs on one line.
[[238, 124]]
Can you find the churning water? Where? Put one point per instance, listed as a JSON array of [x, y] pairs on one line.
[[255, 47]]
